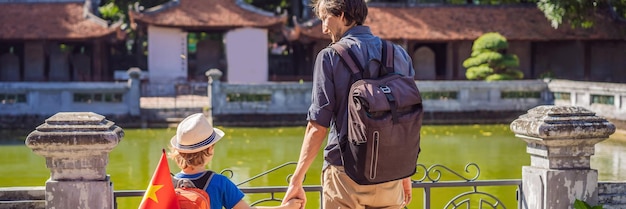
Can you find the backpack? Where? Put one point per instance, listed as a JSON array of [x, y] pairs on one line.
[[190, 196], [384, 120]]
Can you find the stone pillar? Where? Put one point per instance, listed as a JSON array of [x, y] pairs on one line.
[[560, 142], [76, 146], [134, 91], [214, 76]]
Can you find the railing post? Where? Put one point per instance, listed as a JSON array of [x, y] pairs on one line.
[[76, 146], [134, 92], [560, 141], [214, 76]]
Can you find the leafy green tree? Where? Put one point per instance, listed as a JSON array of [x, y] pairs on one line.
[[111, 12], [489, 60], [581, 13], [114, 10]]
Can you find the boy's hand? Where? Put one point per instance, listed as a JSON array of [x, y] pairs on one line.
[[293, 204], [295, 192]]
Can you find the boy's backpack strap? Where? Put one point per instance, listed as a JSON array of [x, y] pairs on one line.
[[204, 180], [201, 182], [349, 58]]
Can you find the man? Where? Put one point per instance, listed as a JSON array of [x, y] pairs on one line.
[[343, 21]]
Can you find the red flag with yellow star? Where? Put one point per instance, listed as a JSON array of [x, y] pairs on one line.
[[160, 192]]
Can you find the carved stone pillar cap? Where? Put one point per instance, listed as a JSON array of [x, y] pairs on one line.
[[76, 145], [213, 73], [134, 72], [562, 122]]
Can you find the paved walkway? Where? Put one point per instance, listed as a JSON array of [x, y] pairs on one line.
[[183, 101]]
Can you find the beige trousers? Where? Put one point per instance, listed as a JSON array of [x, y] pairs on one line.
[[341, 192]]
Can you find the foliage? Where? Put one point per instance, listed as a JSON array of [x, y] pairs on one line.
[[111, 12], [120, 7], [579, 204], [581, 13], [489, 60]]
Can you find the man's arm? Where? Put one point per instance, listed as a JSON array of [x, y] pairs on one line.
[[314, 136]]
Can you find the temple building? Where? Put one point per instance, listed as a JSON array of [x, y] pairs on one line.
[[187, 37], [55, 42]]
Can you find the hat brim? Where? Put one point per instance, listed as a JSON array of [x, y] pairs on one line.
[[219, 134]]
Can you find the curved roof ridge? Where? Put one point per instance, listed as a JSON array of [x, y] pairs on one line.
[[52, 21], [206, 15], [469, 22], [161, 7]]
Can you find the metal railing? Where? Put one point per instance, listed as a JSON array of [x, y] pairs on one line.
[[429, 179]]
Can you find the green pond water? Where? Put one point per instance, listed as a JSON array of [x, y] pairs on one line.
[[251, 151]]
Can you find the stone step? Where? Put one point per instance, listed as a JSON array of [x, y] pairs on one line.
[[23, 197], [614, 206], [22, 193]]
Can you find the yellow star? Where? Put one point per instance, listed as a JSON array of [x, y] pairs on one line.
[[151, 193]]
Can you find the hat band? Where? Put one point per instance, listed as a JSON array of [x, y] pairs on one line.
[[203, 143]]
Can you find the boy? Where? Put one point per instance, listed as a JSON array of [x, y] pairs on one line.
[[192, 149]]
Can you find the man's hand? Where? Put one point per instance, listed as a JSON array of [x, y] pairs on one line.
[[295, 192], [408, 190]]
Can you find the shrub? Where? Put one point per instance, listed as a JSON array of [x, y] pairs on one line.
[[489, 60]]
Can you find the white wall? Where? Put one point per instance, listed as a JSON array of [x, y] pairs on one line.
[[246, 54], [167, 53]]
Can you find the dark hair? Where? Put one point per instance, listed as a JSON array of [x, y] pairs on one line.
[[354, 10]]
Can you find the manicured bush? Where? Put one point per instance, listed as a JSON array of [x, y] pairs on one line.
[[489, 60]]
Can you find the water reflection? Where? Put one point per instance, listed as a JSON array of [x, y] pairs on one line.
[[608, 158], [251, 151]]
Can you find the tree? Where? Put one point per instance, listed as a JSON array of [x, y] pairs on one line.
[[581, 13], [113, 10], [277, 6], [489, 60]]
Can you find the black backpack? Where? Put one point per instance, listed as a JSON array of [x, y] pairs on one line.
[[384, 120]]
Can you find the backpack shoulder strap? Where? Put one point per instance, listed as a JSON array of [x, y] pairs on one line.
[[201, 182], [388, 54], [348, 57], [204, 180]]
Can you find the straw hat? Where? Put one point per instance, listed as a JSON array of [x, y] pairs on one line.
[[195, 134]]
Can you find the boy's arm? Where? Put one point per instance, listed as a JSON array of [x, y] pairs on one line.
[[313, 139], [291, 204]]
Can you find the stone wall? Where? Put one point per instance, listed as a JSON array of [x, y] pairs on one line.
[[612, 195]]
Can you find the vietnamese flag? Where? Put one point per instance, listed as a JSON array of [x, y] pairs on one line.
[[160, 192]]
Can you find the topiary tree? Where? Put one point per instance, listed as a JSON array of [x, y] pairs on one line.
[[489, 60]]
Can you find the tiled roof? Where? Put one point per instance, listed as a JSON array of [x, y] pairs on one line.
[[207, 14], [29, 21], [444, 23]]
